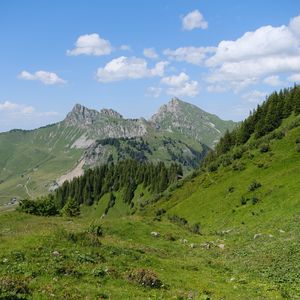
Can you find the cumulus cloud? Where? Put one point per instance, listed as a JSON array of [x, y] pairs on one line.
[[273, 80], [150, 53], [194, 20], [45, 77], [192, 55], [180, 85], [91, 44], [254, 96], [123, 67], [263, 53]]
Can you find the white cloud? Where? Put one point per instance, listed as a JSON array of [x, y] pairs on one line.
[[295, 25], [267, 52], [216, 88], [180, 85], [154, 92], [123, 67], [192, 55], [45, 77], [273, 80], [14, 109], [91, 44], [150, 53], [125, 48], [194, 20], [255, 96], [294, 78]]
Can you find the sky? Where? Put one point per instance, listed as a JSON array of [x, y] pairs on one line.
[[133, 56]]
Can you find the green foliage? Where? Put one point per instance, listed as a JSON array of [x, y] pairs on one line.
[[254, 185], [44, 206], [71, 208]]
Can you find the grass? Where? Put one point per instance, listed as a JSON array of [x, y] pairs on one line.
[[246, 249]]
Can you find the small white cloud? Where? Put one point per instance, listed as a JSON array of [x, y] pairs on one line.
[[194, 20], [273, 80], [181, 85], [150, 53], [45, 77], [15, 109], [216, 88], [123, 67], [91, 44], [154, 92], [294, 78], [8, 106], [254, 96], [125, 48], [192, 55]]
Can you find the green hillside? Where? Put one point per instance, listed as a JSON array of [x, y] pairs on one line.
[[36, 161], [228, 231]]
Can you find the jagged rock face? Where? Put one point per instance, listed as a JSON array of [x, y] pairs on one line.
[[184, 118], [107, 123], [81, 116], [110, 113]]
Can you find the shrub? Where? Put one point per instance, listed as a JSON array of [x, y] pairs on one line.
[[212, 167], [44, 206], [196, 228], [237, 154], [264, 148], [297, 141], [243, 200], [71, 208], [95, 229], [298, 147], [145, 278], [254, 200], [254, 186], [238, 166], [231, 189]]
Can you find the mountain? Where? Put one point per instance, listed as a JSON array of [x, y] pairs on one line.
[[187, 119], [229, 230], [36, 161]]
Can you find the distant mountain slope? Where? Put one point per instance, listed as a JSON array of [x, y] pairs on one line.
[[187, 119], [31, 161]]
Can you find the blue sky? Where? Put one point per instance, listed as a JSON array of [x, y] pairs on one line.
[[133, 56]]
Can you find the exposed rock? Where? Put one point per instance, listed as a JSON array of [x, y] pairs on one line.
[[221, 246], [81, 116], [110, 113], [155, 234], [257, 235]]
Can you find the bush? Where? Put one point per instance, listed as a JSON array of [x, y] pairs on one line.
[[95, 229], [71, 208], [298, 147], [243, 200], [146, 278], [264, 148], [237, 154], [254, 186], [254, 200], [212, 167], [196, 228], [238, 166], [44, 206]]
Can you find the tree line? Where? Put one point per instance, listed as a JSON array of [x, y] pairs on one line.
[[87, 189], [264, 119]]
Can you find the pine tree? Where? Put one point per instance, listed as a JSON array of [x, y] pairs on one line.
[[71, 208]]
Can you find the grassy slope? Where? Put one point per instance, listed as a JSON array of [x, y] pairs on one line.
[[35, 158], [266, 267]]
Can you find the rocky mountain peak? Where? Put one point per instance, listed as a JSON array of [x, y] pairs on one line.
[[111, 113], [81, 115]]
